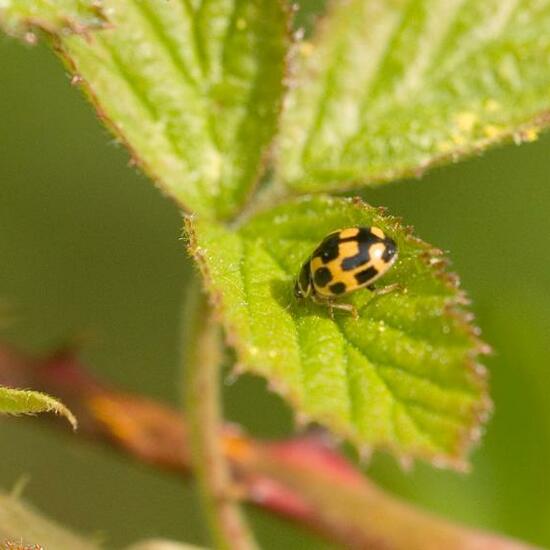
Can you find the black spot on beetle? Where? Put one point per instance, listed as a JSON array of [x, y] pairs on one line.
[[365, 234], [366, 275], [305, 275], [328, 249], [390, 250], [303, 282], [322, 276], [361, 258], [337, 288]]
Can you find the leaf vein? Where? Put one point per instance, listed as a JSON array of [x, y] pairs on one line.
[[391, 390], [164, 39], [196, 36], [296, 330], [486, 31]]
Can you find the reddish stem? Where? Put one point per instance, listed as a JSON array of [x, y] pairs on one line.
[[302, 479]]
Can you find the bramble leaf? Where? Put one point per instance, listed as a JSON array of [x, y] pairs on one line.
[[404, 376], [31, 402], [194, 90], [387, 89]]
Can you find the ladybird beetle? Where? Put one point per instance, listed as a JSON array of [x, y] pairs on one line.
[[345, 261]]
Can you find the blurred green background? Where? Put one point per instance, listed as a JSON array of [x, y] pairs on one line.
[[88, 246]]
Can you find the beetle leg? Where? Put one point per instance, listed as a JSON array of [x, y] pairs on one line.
[[350, 308]]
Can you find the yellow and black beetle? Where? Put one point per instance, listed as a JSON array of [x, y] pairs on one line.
[[345, 261]]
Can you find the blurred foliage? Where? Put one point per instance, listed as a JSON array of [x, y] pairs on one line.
[[90, 249], [387, 89], [17, 517]]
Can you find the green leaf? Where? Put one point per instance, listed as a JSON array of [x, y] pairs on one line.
[[404, 376], [63, 16], [32, 402], [193, 89], [20, 523], [387, 89]]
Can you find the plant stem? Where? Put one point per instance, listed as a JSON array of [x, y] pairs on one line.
[[203, 358], [300, 479]]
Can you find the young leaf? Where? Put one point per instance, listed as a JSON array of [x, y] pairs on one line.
[[194, 89], [20, 523], [404, 376], [58, 16], [388, 89], [31, 402]]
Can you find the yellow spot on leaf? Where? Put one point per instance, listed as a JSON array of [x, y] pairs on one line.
[[445, 146], [458, 139], [530, 134], [465, 121], [241, 24], [492, 105], [492, 130]]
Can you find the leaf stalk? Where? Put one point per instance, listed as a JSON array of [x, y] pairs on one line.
[[202, 354]]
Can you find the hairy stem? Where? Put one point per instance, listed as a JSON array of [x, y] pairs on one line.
[[203, 358]]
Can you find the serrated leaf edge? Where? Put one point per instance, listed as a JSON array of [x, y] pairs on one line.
[[526, 132], [89, 93], [135, 160]]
